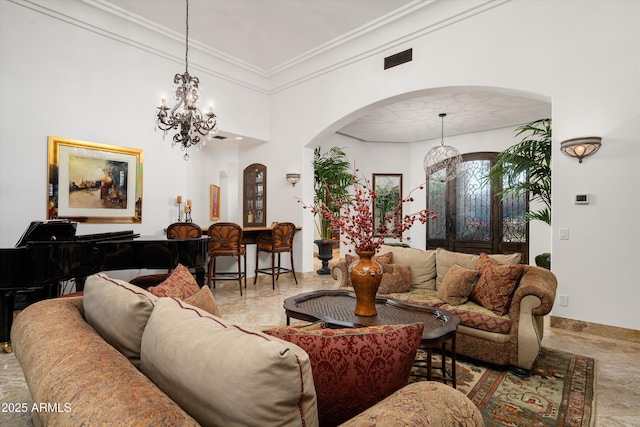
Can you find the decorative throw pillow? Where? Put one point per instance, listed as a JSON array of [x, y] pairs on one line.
[[180, 284], [204, 299], [395, 279], [353, 369], [382, 259], [457, 285], [496, 284]]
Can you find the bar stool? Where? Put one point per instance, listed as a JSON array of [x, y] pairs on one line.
[[183, 231], [225, 239], [276, 241]]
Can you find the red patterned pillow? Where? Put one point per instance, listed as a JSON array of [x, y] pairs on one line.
[[353, 369], [457, 285], [496, 284], [180, 284]]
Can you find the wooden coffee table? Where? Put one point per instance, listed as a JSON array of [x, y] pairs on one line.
[[335, 307]]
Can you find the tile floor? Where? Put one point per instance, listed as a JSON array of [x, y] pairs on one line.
[[618, 370]]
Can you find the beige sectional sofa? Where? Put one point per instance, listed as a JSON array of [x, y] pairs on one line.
[[511, 339], [119, 355]]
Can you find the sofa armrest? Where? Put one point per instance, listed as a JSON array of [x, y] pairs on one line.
[[339, 272], [421, 403], [539, 282]]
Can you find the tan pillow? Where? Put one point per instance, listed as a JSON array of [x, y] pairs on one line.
[[222, 374], [204, 299], [457, 285], [446, 259], [180, 284], [119, 312], [395, 279], [421, 262]]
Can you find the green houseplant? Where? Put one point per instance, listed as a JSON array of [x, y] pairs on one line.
[[530, 157], [332, 178]]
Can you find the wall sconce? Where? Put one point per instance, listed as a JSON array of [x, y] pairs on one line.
[[581, 147], [293, 178]]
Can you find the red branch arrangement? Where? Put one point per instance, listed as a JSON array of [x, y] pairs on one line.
[[355, 217]]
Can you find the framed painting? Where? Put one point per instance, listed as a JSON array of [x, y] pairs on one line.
[[214, 202], [387, 208], [94, 183]]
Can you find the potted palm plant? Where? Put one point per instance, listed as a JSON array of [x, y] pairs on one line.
[[332, 178], [531, 156]]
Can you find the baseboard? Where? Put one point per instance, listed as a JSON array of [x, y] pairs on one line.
[[607, 331]]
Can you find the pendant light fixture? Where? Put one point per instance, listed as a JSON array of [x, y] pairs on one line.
[[441, 162], [185, 116]]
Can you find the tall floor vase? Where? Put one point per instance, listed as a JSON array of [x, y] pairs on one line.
[[365, 274]]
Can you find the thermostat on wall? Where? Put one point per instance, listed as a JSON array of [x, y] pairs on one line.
[[582, 199]]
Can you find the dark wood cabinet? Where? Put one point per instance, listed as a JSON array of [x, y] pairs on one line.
[[254, 198]]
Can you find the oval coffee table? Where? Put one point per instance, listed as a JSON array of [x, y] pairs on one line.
[[335, 308]]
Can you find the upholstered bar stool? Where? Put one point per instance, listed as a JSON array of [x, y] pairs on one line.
[[276, 241], [183, 231], [225, 239]]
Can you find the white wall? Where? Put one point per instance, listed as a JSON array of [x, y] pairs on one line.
[[585, 59], [77, 81]]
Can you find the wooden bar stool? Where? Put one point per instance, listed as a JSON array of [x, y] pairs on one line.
[[276, 241], [225, 239]]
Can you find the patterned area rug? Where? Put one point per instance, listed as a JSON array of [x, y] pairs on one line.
[[559, 392]]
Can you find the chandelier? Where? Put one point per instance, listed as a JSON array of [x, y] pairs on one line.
[[185, 116], [441, 162]]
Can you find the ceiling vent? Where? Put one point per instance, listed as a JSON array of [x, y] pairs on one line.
[[398, 58], [220, 137]]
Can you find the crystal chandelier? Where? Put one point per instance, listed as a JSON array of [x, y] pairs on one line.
[[441, 162], [185, 115]]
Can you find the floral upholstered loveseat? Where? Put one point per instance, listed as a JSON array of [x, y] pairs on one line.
[[119, 355], [500, 303]]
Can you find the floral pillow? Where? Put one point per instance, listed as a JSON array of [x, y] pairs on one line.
[[353, 369], [180, 284], [395, 279], [457, 285], [496, 284]]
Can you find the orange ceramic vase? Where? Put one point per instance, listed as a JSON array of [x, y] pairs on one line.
[[365, 274]]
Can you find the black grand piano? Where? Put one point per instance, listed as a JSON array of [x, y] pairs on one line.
[[50, 252]]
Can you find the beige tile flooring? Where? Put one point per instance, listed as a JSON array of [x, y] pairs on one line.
[[618, 367]]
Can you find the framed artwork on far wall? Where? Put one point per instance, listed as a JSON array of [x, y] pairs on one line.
[[214, 202], [388, 188], [94, 183]]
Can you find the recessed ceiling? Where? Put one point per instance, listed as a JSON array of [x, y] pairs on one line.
[[467, 110], [263, 33], [266, 34]]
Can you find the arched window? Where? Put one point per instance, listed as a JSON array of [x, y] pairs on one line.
[[471, 217]]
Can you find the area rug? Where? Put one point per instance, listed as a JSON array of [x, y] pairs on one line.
[[559, 392]]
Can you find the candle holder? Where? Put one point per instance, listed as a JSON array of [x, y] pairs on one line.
[[179, 211], [187, 215]]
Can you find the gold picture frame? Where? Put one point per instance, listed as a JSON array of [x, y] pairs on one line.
[[214, 202], [94, 183]]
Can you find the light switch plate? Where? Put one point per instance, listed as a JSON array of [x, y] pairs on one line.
[[564, 233]]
